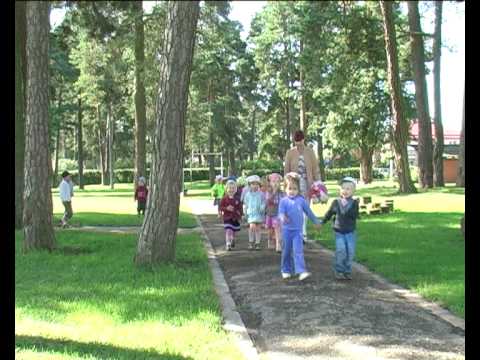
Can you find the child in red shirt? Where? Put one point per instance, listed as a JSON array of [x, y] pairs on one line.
[[140, 196], [232, 211]]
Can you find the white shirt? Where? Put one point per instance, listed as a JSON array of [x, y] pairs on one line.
[[66, 191]]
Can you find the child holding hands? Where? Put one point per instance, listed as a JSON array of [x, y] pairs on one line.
[[291, 210], [345, 212]]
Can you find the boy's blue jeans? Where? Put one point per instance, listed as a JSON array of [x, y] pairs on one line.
[[293, 242], [344, 251]]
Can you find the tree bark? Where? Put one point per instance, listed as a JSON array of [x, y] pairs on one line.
[[140, 102], [321, 161], [303, 114], [20, 87], [366, 165], [110, 131], [80, 145], [399, 133], [252, 134], [425, 148], [158, 235], [37, 213], [57, 144], [211, 149], [461, 155], [438, 148], [102, 146]]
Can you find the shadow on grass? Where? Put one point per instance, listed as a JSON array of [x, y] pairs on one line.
[[185, 220], [89, 349], [107, 281]]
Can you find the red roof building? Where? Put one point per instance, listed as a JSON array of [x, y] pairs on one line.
[[450, 137]]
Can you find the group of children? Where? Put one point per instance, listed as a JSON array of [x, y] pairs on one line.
[[263, 203]]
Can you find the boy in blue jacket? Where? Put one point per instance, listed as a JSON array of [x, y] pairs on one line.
[[345, 212]]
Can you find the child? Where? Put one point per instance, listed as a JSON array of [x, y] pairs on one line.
[[140, 196], [291, 210], [231, 208], [345, 212], [66, 194], [218, 190], [272, 222], [254, 203]]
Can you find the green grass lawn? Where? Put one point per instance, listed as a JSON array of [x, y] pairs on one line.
[[87, 300], [98, 205], [418, 246]]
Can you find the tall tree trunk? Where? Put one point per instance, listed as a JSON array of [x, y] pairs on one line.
[[303, 113], [232, 170], [461, 156], [289, 123], [80, 145], [57, 141], [158, 235], [399, 134], [140, 107], [211, 149], [437, 52], [102, 146], [110, 132], [57, 144], [37, 213], [252, 134], [425, 148], [20, 96], [321, 162], [366, 165]]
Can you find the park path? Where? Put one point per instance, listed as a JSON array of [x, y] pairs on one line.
[[323, 318]]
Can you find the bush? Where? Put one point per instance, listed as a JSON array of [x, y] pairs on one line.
[[67, 164], [337, 174], [262, 164]]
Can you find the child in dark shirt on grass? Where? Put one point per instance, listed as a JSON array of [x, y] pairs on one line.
[[345, 212]]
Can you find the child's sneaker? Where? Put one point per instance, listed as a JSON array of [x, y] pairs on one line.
[[232, 244], [347, 276], [286, 276], [339, 276], [250, 246], [304, 275], [257, 247], [228, 247]]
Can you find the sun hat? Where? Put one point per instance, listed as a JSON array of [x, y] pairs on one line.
[[231, 182], [348, 179], [232, 177], [274, 177], [253, 178], [219, 177]]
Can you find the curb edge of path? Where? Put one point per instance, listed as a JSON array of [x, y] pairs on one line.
[[233, 322], [408, 295]]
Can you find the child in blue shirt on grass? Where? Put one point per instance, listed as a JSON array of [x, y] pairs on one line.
[[290, 211]]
